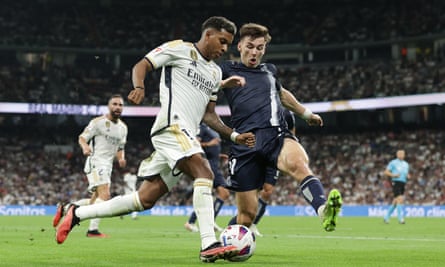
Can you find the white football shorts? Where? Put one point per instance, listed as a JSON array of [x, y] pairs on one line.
[[98, 176], [172, 144]]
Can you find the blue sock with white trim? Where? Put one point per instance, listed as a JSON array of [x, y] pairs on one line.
[[313, 191]]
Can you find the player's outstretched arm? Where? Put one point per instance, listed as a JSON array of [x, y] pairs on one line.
[[233, 81], [290, 102]]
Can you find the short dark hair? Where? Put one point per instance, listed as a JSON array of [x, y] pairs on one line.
[[255, 31], [219, 23], [115, 96]]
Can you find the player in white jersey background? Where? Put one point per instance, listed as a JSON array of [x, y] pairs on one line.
[[189, 84], [131, 179], [101, 141]]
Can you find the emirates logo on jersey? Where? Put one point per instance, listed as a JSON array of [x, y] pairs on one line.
[[200, 82]]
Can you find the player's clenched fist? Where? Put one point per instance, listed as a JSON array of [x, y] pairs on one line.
[[247, 139], [136, 96]]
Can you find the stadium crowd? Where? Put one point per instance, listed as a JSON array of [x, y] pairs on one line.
[[42, 174], [310, 83], [99, 25], [105, 24], [46, 170]]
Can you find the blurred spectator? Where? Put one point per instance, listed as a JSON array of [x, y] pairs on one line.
[[353, 163], [311, 83], [107, 24]]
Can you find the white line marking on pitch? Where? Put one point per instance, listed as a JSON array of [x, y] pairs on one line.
[[367, 238]]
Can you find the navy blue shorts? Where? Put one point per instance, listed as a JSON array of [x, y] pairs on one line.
[[272, 174], [250, 168]]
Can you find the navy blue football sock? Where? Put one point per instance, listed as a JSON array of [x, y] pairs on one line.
[[261, 209], [217, 205], [313, 191], [192, 218], [232, 221]]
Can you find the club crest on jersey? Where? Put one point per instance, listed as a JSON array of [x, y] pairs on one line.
[[194, 57], [107, 124], [214, 74]]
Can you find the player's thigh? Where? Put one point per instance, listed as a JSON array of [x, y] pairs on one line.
[[103, 191], [195, 166], [247, 202], [293, 159]]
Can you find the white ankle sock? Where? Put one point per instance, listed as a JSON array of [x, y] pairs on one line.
[[94, 223]]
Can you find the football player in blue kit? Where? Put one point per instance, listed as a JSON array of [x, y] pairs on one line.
[[257, 107]]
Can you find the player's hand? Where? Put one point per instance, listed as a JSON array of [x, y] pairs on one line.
[[315, 120], [233, 81], [86, 150], [247, 139], [122, 163], [136, 96]]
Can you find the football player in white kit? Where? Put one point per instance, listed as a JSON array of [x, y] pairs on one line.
[[101, 141], [189, 84]]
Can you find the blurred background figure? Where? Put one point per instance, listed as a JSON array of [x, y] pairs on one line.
[[398, 171], [131, 179]]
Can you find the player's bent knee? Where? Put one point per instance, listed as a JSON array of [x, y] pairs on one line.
[[147, 204]]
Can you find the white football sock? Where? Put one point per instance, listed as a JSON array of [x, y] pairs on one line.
[[203, 206], [82, 202], [94, 223], [320, 211], [119, 205]]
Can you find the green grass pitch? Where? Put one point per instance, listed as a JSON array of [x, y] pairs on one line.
[[287, 241]]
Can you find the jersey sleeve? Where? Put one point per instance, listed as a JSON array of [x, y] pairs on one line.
[[390, 166], [89, 131], [165, 54]]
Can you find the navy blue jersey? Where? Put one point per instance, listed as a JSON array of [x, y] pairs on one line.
[[290, 119], [212, 153], [257, 105], [206, 134]]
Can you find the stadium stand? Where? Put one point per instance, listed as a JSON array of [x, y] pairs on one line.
[[80, 54], [45, 174]]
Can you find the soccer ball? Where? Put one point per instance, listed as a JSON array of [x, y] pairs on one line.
[[241, 237]]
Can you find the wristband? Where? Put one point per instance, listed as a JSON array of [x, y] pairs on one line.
[[306, 114], [233, 136], [139, 87]]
